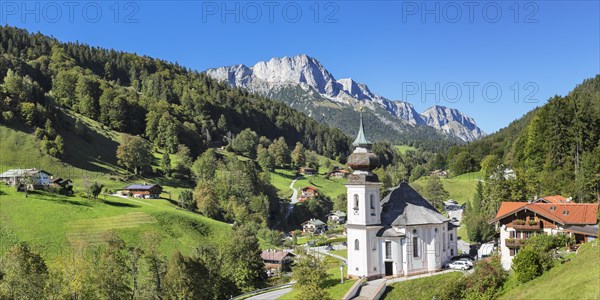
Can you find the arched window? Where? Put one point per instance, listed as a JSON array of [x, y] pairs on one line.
[[356, 246], [372, 202], [355, 203]]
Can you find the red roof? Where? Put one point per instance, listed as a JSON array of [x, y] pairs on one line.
[[564, 213], [555, 199], [310, 188]]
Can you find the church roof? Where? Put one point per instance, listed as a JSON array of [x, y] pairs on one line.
[[361, 138], [404, 206]]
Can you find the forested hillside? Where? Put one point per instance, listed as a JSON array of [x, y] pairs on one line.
[[166, 103], [554, 149]]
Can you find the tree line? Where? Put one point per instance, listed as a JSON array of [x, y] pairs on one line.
[[115, 270]]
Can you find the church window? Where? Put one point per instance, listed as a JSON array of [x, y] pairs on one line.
[[356, 246], [373, 244], [355, 203], [388, 250], [372, 202], [415, 246], [451, 237]]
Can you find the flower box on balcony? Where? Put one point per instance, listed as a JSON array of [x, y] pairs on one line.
[[519, 222], [512, 242]]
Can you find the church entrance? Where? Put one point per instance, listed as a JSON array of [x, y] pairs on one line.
[[389, 268]]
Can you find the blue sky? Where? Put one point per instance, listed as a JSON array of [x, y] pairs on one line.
[[401, 49]]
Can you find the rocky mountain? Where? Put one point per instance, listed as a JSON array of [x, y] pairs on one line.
[[453, 122], [306, 85]]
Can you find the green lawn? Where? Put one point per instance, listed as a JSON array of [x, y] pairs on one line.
[[463, 233], [426, 288], [53, 225], [281, 180], [333, 282], [461, 188], [330, 187], [576, 279], [343, 253], [403, 148]]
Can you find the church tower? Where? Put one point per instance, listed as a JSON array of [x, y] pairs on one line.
[[364, 209]]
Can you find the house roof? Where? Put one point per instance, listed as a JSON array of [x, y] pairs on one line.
[[404, 206], [315, 222], [337, 213], [563, 213], [22, 172], [140, 186], [590, 230], [274, 255], [310, 188], [553, 199]]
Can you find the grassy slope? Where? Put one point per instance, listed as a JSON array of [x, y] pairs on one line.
[[53, 224], [423, 288], [331, 187], [461, 188], [333, 282], [403, 148], [577, 279]]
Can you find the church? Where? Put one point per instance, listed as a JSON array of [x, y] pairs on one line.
[[401, 235]]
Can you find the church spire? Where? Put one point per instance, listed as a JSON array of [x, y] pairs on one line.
[[361, 139]]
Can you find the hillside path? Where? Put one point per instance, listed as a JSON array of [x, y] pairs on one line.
[[293, 199]]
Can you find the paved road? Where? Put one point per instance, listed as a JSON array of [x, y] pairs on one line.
[[335, 247], [293, 199], [456, 211], [271, 295]]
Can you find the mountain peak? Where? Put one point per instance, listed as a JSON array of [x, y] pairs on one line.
[[280, 78]]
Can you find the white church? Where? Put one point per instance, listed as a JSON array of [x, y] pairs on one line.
[[401, 235]]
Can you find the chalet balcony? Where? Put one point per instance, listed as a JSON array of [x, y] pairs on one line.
[[526, 225], [513, 243]]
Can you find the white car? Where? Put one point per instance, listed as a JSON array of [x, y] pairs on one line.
[[467, 260], [459, 265]]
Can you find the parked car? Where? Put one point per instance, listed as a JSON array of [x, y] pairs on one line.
[[467, 260], [459, 265]]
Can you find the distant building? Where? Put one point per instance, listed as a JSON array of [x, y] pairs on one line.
[[277, 260], [338, 217], [518, 221], [308, 192], [38, 179], [507, 173], [59, 182], [339, 173], [150, 191], [439, 173], [314, 226], [307, 171]]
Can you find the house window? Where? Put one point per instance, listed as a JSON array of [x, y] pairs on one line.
[[512, 234], [451, 237], [355, 203], [356, 246], [415, 246], [451, 252], [388, 250], [513, 252]]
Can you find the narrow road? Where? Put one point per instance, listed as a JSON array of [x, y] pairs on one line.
[[293, 199], [271, 295]]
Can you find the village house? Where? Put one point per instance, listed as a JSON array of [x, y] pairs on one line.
[[147, 191], [63, 183], [315, 226], [308, 192], [338, 217], [518, 221], [277, 261], [401, 235], [439, 173], [552, 199], [339, 173], [307, 171], [37, 179]]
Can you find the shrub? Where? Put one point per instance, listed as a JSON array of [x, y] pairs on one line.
[[527, 265]]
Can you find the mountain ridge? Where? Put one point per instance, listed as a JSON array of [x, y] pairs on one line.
[[277, 74]]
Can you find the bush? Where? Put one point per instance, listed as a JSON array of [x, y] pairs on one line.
[[527, 265]]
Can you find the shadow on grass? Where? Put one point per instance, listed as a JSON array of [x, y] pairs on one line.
[[174, 202], [120, 204], [287, 176], [58, 199]]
